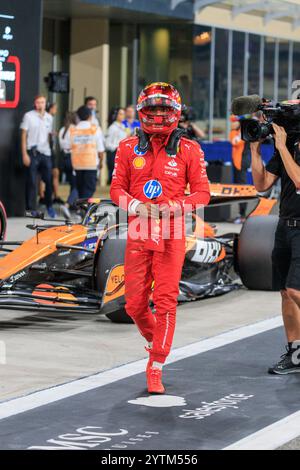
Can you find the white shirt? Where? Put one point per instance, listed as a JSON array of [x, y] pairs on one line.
[[115, 133], [96, 122], [63, 144], [86, 125], [38, 128]]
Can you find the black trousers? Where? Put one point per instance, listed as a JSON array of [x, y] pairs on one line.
[[40, 164], [110, 161], [71, 178], [86, 181], [286, 257]]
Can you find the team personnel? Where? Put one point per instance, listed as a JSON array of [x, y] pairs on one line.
[[52, 110], [36, 130], [241, 161], [285, 165], [115, 133], [70, 120], [150, 184], [130, 122], [91, 103], [85, 142]]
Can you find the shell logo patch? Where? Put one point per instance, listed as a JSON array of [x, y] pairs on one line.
[[139, 163]]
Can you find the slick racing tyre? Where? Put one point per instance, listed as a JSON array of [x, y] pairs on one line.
[[3, 222], [111, 254], [254, 252]]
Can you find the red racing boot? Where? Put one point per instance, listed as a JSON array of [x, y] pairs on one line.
[[153, 375], [154, 383], [150, 361]]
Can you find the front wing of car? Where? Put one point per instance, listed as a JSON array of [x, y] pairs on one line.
[[50, 296]]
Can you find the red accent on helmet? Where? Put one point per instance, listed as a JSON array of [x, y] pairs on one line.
[[159, 108]]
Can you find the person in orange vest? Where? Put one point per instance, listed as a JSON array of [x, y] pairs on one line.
[[241, 160], [87, 151]]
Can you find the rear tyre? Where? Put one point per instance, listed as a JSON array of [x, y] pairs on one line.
[[111, 254], [254, 252]]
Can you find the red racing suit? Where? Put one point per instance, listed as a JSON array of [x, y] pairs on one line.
[[133, 170]]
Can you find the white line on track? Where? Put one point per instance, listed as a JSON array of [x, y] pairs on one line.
[[271, 437], [44, 397]]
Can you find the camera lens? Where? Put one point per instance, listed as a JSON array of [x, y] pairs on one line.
[[250, 130], [253, 131]]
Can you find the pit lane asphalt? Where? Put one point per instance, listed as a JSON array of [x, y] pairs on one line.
[[205, 408], [46, 349]]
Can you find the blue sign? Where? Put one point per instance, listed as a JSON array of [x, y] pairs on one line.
[[152, 189]]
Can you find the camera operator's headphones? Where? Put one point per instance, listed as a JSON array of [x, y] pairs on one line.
[[171, 147]]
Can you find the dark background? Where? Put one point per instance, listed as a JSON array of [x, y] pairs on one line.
[[26, 28]]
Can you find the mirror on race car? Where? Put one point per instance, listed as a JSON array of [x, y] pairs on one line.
[[104, 215], [35, 214]]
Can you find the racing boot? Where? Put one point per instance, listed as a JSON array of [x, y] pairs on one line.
[[153, 374], [289, 362], [154, 383], [150, 361]]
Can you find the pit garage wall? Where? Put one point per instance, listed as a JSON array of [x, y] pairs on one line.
[[23, 18], [89, 64]]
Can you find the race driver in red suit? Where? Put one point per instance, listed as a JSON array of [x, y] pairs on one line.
[[151, 186]]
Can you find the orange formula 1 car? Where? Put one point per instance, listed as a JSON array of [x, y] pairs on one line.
[[80, 267]]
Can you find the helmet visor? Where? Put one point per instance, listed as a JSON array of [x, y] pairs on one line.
[[159, 100]]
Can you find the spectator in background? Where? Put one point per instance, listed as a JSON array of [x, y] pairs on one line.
[[115, 133], [52, 110], [36, 127], [130, 122], [241, 159], [85, 142], [64, 144], [187, 122], [91, 103]]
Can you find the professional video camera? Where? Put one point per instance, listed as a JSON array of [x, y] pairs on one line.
[[285, 114]]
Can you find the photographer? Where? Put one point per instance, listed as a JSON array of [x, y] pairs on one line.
[[187, 123], [285, 164]]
